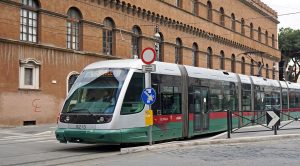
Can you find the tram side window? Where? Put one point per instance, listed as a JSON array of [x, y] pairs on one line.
[[246, 97], [132, 101], [284, 99], [259, 96], [216, 98], [230, 98], [293, 101], [171, 103], [275, 100]]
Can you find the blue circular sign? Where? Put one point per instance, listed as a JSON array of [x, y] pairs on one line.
[[148, 96]]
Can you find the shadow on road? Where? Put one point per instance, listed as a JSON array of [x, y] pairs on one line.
[[82, 148]]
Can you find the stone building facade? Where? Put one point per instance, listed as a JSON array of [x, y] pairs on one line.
[[44, 44]]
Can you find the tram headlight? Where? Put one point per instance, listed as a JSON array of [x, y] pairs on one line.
[[101, 119], [104, 119]]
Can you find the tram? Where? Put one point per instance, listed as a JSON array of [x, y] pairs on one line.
[[104, 105]]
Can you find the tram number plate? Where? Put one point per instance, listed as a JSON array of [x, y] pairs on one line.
[[80, 126]]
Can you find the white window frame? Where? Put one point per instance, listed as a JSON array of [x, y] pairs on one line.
[[35, 66]]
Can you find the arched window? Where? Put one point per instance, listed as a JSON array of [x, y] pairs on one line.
[[233, 63], [273, 40], [222, 16], [74, 29], [232, 22], [267, 38], [136, 40], [267, 71], [243, 65], [29, 21], [160, 53], [178, 3], [209, 58], [108, 36], [195, 8], [178, 51], [252, 67], [251, 30], [242, 26], [209, 11], [222, 60], [195, 57], [259, 34]]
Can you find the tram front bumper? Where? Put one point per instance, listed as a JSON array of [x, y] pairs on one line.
[[65, 135]]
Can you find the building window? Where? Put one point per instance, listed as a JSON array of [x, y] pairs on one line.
[[209, 11], [29, 74], [74, 29], [178, 51], [267, 38], [251, 31], [273, 40], [259, 34], [233, 63], [267, 71], [108, 36], [243, 66], [273, 71], [29, 21], [178, 3], [136, 41], [195, 8], [195, 57], [71, 80], [222, 60], [222, 16], [232, 22], [242, 26], [252, 67], [209, 58]]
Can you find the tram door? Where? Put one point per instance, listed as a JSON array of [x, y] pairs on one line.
[[201, 114]]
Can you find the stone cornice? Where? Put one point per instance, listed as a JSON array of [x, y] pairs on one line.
[[259, 11], [162, 21], [43, 46]]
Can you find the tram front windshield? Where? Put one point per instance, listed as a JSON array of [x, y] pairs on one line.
[[95, 91]]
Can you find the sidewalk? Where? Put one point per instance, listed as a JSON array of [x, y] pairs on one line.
[[243, 135]]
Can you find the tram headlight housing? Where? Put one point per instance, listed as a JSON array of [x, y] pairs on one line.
[[104, 118]]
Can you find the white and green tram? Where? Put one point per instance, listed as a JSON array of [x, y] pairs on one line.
[[104, 105]]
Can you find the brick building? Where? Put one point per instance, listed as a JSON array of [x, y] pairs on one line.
[[44, 44]]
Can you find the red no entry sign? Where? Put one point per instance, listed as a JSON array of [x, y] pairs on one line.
[[148, 55]]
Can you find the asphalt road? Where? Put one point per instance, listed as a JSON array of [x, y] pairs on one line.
[[38, 146], [275, 153]]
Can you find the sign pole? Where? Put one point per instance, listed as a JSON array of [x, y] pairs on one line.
[[148, 57], [148, 85]]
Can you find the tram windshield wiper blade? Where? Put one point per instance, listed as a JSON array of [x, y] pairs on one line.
[[83, 109]]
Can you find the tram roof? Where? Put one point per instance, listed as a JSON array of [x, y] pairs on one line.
[[264, 81], [198, 72], [292, 85], [161, 67]]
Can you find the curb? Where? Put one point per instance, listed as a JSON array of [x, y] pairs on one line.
[[207, 142]]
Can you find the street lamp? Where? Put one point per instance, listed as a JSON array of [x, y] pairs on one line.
[[260, 65], [156, 43]]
